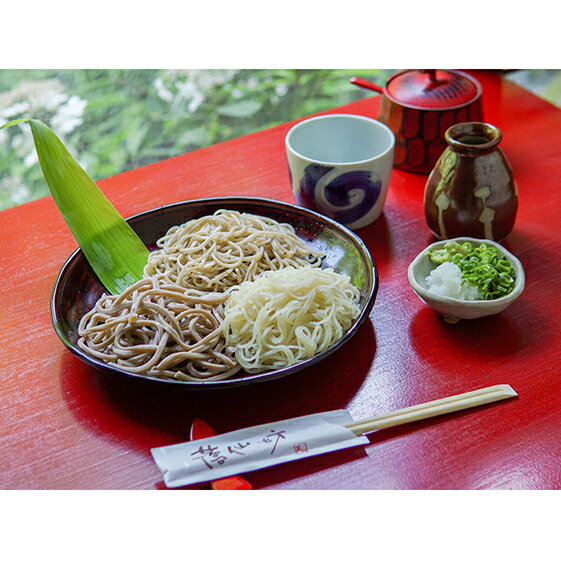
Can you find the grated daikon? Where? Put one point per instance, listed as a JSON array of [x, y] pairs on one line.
[[446, 280]]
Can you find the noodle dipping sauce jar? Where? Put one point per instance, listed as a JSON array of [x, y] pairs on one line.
[[340, 166]]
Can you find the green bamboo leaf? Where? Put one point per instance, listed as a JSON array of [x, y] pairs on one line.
[[112, 248], [12, 123]]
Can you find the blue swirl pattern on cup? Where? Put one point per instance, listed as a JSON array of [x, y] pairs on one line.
[[339, 192]]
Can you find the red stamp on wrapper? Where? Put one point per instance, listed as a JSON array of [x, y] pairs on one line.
[[300, 448]]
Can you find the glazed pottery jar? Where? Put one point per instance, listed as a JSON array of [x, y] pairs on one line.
[[419, 106], [471, 190]]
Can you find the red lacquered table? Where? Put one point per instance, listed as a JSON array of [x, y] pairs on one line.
[[63, 425]]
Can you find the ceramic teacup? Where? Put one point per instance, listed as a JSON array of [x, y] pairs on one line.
[[340, 166]]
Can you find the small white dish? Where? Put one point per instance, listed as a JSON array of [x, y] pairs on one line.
[[453, 309]]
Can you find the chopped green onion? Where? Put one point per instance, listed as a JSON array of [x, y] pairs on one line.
[[482, 266]]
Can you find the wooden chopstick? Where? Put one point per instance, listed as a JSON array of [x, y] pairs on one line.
[[432, 409]]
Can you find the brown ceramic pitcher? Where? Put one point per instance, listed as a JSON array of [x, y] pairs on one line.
[[471, 190]]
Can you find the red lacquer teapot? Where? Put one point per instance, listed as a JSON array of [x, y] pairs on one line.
[[419, 106]]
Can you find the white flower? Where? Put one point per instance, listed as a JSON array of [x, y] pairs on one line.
[[24, 146], [38, 94], [15, 109], [69, 115], [205, 80], [31, 159], [23, 141], [21, 194], [18, 193], [162, 91], [190, 85], [195, 103], [188, 90], [50, 100], [281, 89]]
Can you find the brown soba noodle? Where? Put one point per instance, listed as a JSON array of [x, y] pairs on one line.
[[160, 329], [222, 250]]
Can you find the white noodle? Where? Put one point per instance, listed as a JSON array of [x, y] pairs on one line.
[[287, 316]]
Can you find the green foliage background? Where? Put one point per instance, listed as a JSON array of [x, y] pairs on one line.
[[136, 117], [115, 120]]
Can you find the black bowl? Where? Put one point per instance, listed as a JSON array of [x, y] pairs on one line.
[[77, 287]]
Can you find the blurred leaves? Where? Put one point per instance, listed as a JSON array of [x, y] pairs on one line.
[[115, 120], [241, 109]]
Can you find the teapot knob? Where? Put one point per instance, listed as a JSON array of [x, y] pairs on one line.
[[433, 80]]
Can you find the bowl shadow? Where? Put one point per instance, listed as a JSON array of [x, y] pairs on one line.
[[377, 238], [492, 336], [142, 414]]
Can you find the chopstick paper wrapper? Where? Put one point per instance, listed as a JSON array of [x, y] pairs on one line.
[[255, 448], [266, 445]]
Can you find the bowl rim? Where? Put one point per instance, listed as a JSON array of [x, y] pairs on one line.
[[519, 283], [370, 297], [289, 145]]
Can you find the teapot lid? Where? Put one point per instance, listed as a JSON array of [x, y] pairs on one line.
[[433, 89]]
